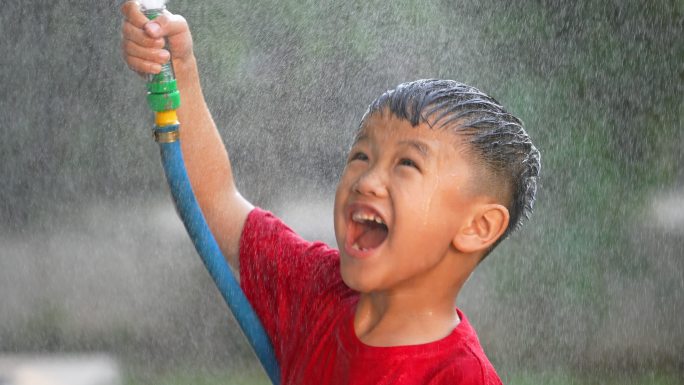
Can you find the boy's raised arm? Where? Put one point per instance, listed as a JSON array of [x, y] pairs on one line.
[[206, 158]]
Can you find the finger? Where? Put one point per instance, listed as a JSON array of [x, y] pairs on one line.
[[141, 66], [166, 25], [131, 11], [138, 36], [156, 55]]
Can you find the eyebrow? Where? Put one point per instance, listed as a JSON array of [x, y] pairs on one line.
[[422, 148]]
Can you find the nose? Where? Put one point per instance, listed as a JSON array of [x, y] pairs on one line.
[[371, 183]]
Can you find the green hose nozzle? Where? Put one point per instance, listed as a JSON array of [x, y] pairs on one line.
[[162, 91]]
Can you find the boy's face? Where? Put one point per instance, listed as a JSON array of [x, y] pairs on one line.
[[404, 194]]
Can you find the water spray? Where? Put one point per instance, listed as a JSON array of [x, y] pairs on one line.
[[163, 98]]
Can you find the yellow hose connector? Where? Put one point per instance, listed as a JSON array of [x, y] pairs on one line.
[[166, 118]]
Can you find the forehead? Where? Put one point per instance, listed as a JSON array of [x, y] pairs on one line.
[[386, 127], [444, 151]]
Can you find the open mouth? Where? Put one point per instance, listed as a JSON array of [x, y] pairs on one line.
[[367, 230]]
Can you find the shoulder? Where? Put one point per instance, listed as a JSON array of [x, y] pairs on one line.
[[269, 244], [471, 375], [292, 283], [262, 228], [468, 364], [468, 368]]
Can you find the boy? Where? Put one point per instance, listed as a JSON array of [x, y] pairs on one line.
[[438, 174]]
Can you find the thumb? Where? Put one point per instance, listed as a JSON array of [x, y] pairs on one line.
[[166, 25], [175, 29]]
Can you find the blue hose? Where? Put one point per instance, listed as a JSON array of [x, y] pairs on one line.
[[207, 248]]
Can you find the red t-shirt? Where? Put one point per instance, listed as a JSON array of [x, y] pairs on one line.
[[297, 291]]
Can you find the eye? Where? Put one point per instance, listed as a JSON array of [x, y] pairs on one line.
[[408, 162], [358, 156]]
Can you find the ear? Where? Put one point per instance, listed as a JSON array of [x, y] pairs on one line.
[[487, 224]]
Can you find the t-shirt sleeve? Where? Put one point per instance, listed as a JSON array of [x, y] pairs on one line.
[[282, 275]]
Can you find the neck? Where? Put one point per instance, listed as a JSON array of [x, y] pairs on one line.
[[409, 317]]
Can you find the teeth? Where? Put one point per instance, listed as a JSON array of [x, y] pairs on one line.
[[356, 246], [361, 217]]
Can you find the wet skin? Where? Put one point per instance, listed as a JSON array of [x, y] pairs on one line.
[[418, 181]]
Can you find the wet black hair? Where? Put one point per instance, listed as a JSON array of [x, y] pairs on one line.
[[495, 136]]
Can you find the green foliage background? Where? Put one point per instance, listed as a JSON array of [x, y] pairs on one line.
[[599, 85]]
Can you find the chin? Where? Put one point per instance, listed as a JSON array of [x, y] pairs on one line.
[[352, 278]]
